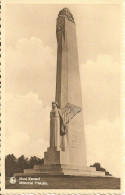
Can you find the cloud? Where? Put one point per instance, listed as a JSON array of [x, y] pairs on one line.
[[27, 125], [100, 81], [31, 67], [104, 145]]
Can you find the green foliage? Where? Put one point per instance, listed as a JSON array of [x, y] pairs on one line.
[[35, 160], [14, 165], [10, 164], [99, 168]]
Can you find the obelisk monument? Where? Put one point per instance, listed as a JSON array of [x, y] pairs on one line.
[[68, 86], [68, 91], [66, 154]]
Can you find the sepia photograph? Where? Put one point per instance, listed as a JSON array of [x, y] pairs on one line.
[[63, 92]]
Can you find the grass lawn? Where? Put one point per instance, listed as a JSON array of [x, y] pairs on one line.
[[68, 182]]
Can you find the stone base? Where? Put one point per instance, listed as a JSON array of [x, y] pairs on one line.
[[59, 169], [56, 162], [56, 156]]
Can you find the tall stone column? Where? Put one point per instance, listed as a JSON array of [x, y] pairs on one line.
[[68, 87]]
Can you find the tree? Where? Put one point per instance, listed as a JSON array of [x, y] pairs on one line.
[[10, 164], [22, 163], [35, 161], [99, 168], [17, 165]]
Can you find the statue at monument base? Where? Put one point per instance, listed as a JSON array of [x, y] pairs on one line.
[[58, 129]]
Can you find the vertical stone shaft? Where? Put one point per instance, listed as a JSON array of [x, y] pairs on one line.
[[62, 66], [68, 87], [68, 79]]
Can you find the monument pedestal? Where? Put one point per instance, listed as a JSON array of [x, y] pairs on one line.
[[56, 162], [56, 156]]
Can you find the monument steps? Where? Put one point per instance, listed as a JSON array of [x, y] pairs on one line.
[[55, 170], [64, 166], [61, 170], [58, 174]]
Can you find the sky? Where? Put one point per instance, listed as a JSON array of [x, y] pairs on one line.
[[31, 54]]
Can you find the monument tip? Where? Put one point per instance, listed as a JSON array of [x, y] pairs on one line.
[[66, 12], [66, 9]]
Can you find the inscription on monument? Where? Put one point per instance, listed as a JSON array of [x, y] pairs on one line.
[[76, 134]]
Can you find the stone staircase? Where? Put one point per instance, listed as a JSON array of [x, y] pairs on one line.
[[61, 169]]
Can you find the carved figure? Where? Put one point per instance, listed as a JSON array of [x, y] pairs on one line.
[[59, 120], [57, 126], [66, 12], [61, 19]]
